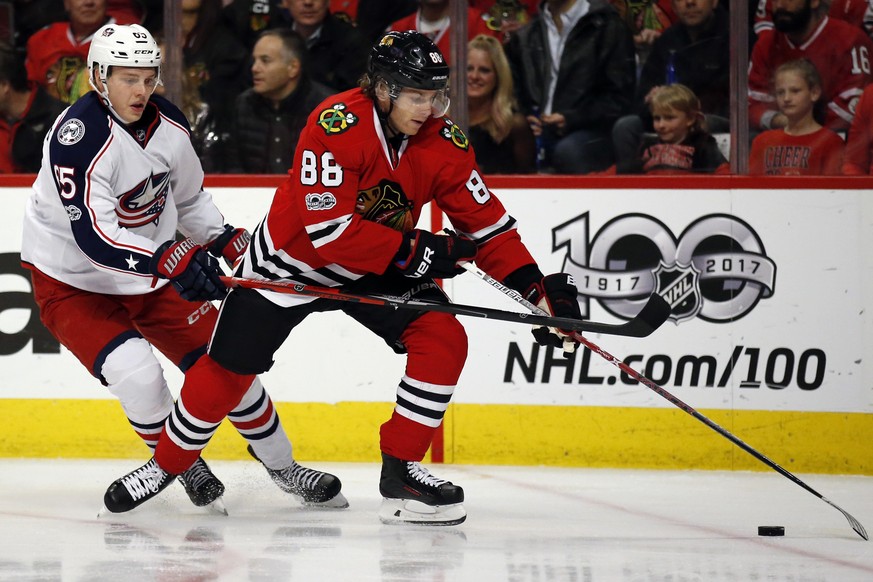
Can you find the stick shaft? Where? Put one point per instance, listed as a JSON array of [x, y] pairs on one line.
[[856, 525], [336, 294]]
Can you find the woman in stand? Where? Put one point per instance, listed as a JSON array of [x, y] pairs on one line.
[[501, 137]]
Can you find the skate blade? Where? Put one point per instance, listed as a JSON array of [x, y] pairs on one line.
[[218, 507], [406, 511], [338, 501]]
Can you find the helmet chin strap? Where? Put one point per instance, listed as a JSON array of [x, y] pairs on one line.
[[104, 94]]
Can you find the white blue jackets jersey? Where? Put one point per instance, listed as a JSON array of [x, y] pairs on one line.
[[107, 195]]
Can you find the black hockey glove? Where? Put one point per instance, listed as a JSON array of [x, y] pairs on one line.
[[231, 244], [555, 294], [425, 254], [194, 274]]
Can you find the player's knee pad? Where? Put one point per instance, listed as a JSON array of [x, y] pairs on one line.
[[134, 376], [437, 348]]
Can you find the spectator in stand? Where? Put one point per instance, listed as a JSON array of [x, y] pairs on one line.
[[574, 72], [647, 19], [695, 52], [207, 139], [32, 15], [506, 16], [214, 60], [803, 147], [57, 54], [682, 144], [371, 17], [858, 154], [337, 49], [500, 135], [433, 19], [337, 52], [839, 51], [27, 112], [852, 11], [248, 18], [269, 117]]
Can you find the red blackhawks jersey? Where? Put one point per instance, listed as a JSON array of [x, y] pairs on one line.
[[858, 158], [350, 196], [477, 23], [855, 12], [841, 53], [776, 153]]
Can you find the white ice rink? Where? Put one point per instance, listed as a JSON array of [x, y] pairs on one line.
[[524, 524]]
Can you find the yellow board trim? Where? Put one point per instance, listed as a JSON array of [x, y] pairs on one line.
[[813, 442]]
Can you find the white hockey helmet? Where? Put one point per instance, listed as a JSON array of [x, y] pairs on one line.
[[122, 46]]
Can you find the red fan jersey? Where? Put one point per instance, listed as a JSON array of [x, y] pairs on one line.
[[841, 53], [852, 11], [776, 153], [351, 194], [858, 157], [477, 23], [55, 58]]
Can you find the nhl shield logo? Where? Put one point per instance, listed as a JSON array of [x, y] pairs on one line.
[[679, 286]]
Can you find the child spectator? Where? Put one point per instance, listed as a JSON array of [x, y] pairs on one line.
[[803, 147], [682, 144], [501, 136]]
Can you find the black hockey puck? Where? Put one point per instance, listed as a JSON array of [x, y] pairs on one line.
[[771, 530]]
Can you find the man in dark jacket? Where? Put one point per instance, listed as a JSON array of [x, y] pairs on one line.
[[574, 71], [695, 52], [337, 50], [269, 117], [27, 112]]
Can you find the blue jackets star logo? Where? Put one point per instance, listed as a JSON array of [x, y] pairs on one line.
[[145, 202]]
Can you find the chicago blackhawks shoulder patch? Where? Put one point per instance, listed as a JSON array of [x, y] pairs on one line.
[[454, 134], [336, 119]]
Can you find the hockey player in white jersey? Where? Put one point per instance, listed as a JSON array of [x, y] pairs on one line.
[[119, 178]]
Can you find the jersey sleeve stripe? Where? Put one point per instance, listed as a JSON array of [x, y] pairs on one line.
[[326, 232]]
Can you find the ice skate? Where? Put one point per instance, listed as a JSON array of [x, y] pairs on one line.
[[310, 487], [136, 487], [412, 495], [203, 487]]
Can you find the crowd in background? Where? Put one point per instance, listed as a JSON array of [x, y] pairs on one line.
[[558, 86]]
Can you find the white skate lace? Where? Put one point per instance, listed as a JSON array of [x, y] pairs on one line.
[[196, 476], [144, 480], [300, 476], [422, 475]]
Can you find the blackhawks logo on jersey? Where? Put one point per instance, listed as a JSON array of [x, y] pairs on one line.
[[336, 119], [386, 204], [455, 134]]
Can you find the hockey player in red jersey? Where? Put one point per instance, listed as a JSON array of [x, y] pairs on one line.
[[119, 177], [840, 51], [366, 164]]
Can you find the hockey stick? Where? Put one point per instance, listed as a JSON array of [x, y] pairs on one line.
[[856, 525], [651, 316], [636, 327]]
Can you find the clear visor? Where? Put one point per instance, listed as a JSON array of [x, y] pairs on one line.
[[414, 100]]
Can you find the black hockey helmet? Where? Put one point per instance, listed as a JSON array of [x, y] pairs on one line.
[[408, 59]]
